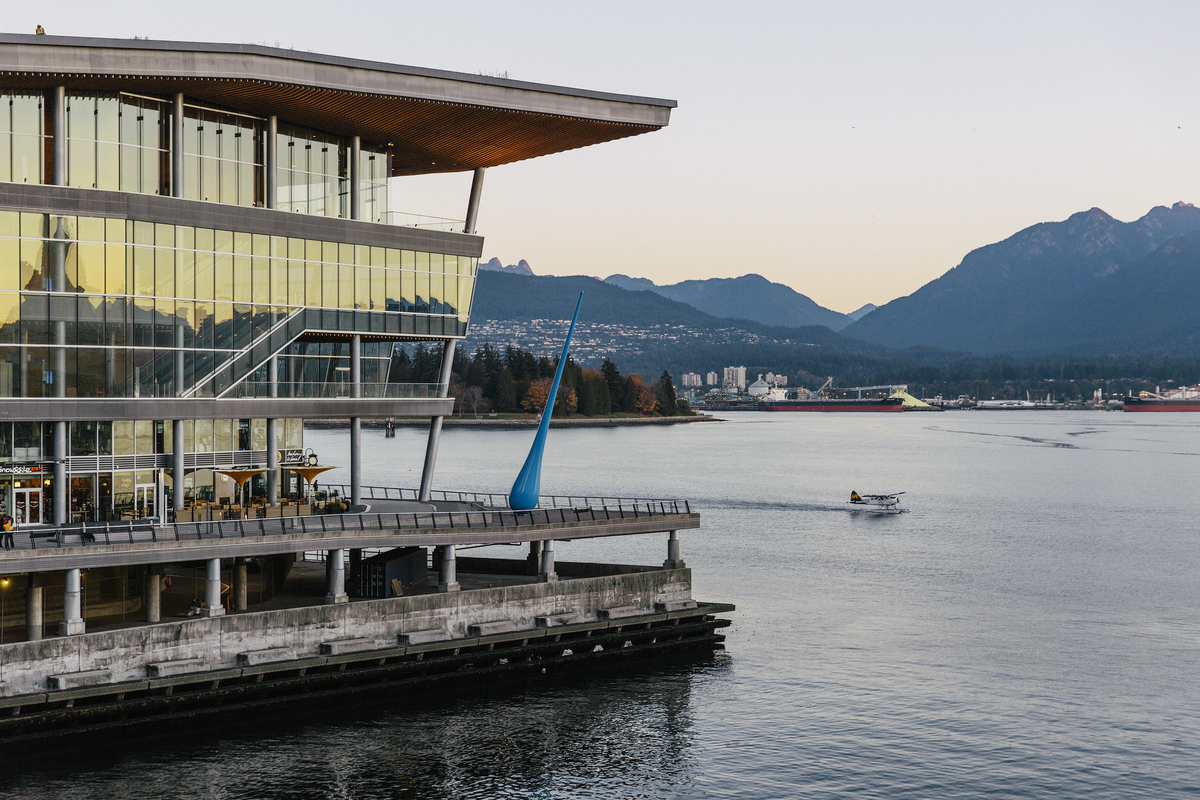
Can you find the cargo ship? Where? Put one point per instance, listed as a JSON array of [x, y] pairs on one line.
[[824, 400], [1186, 398]]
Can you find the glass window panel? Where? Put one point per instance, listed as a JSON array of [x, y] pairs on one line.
[[81, 163], [164, 272], [260, 279], [222, 435], [312, 282], [223, 326], [329, 285], [279, 290], [223, 276], [10, 305], [296, 283], [204, 436], [422, 299], [185, 273], [242, 285], [143, 270], [205, 275], [377, 289], [10, 264], [450, 294], [122, 437], [464, 297], [362, 287], [435, 293], [392, 289], [408, 291], [346, 286]]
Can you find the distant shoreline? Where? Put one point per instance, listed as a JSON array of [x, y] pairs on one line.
[[508, 422]]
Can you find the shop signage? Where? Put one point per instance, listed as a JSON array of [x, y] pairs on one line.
[[20, 469], [291, 458]]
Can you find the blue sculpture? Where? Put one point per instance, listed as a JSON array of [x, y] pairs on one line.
[[528, 486]]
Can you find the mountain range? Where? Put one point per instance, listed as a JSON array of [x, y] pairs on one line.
[[749, 297], [493, 265], [1090, 284]]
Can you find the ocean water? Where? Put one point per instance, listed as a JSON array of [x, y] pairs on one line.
[[1030, 629]]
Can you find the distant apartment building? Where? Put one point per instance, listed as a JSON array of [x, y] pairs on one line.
[[735, 376], [776, 380], [711, 379], [691, 379]]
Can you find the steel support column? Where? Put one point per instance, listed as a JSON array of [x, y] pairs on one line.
[[271, 167], [473, 202], [355, 189], [435, 426], [240, 579], [177, 148], [356, 422], [273, 434], [152, 593]]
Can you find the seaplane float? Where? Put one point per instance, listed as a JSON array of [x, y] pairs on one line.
[[877, 503]]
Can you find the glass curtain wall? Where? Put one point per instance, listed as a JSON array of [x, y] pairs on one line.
[[118, 142], [223, 157], [137, 291], [374, 168], [22, 131], [313, 172]]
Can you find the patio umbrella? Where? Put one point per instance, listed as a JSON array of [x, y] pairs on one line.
[[240, 476]]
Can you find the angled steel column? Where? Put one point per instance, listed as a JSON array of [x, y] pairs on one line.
[[272, 165], [473, 202], [355, 422], [177, 148], [435, 426]]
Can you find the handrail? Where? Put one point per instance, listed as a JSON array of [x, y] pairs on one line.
[[131, 532], [492, 500]]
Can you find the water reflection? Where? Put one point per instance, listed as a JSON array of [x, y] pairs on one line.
[[621, 731]]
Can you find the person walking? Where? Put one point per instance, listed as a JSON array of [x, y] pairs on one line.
[[8, 528]]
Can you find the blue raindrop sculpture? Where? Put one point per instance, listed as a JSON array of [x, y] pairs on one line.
[[528, 486]]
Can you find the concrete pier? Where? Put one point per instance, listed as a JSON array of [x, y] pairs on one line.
[[448, 573], [547, 573], [239, 584], [673, 560], [336, 576], [34, 609], [72, 621], [152, 587], [212, 590]]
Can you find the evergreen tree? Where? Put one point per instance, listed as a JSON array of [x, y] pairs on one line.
[[400, 370], [665, 390], [616, 386], [506, 393]]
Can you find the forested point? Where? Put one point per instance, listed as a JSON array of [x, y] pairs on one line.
[[516, 381]]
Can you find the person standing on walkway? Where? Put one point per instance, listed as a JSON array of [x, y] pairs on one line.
[[8, 528]]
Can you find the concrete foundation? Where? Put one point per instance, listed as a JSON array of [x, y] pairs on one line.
[[128, 653]]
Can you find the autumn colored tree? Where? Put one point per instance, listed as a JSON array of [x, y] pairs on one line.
[[535, 399], [644, 397]]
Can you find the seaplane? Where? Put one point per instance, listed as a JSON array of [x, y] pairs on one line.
[[877, 503]]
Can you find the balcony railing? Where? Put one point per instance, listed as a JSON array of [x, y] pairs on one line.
[[402, 524], [422, 221], [399, 391], [500, 501]]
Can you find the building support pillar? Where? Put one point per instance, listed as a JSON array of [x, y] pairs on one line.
[[273, 434], [72, 622], [240, 579], [473, 202], [356, 422], [178, 473], [152, 593], [533, 561], [448, 574], [212, 590], [62, 513], [34, 608], [58, 285], [272, 165], [547, 574], [177, 149], [59, 177], [355, 188], [673, 560], [435, 425], [336, 563]]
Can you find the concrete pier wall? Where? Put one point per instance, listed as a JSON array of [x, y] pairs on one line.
[[25, 667]]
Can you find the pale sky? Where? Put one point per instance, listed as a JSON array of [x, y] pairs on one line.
[[851, 150]]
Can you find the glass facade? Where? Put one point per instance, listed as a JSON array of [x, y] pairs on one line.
[[147, 304], [223, 157], [22, 132], [119, 142]]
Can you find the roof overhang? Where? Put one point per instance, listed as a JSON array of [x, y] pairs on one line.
[[432, 120]]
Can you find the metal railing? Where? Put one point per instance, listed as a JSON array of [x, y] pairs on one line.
[[108, 533], [423, 221], [325, 390], [497, 501]]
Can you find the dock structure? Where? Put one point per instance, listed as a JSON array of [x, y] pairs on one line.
[[197, 254]]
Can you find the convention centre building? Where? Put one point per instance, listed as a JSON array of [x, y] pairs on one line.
[[197, 253]]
